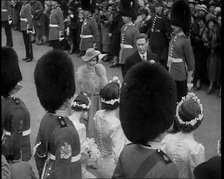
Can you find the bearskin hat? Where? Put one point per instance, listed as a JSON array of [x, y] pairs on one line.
[[55, 80], [10, 71], [147, 102], [181, 15], [129, 8], [88, 5]]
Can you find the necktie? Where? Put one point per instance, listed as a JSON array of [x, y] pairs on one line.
[[143, 57]]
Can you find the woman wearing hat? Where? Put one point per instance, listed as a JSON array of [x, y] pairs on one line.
[[213, 41], [91, 78]]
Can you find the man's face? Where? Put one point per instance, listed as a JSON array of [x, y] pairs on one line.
[[142, 45]]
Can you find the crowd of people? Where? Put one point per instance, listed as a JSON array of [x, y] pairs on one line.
[[162, 48], [75, 26]]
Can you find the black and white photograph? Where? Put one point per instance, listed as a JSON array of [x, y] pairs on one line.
[[111, 89]]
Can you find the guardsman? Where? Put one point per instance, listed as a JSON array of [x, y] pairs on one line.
[[7, 21], [56, 25], [57, 147], [159, 32], [181, 60], [16, 146], [27, 28], [90, 37], [129, 32]]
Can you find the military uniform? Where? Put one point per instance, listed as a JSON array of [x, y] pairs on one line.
[[56, 26], [159, 33], [133, 156], [57, 148], [129, 33], [180, 61], [26, 23], [89, 34], [16, 145], [6, 17]]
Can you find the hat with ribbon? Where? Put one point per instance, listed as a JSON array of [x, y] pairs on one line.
[[90, 54]]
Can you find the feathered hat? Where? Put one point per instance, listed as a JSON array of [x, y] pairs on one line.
[[55, 80], [147, 102], [10, 71], [129, 8], [181, 15], [88, 5]]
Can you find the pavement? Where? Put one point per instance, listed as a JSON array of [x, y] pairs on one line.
[[208, 133]]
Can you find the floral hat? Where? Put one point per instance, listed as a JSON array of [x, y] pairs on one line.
[[90, 54], [189, 110]]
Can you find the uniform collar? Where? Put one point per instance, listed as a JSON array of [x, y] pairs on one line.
[[153, 145], [62, 113]]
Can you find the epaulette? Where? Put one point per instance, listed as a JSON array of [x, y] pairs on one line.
[[61, 121], [164, 157], [15, 100]]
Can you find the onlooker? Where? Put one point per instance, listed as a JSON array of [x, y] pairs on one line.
[[7, 20], [142, 54], [115, 31], [181, 147], [145, 121], [38, 20], [200, 51], [91, 78], [213, 42]]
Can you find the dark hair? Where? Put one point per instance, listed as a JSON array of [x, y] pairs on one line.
[[142, 36], [187, 116], [10, 71], [109, 92]]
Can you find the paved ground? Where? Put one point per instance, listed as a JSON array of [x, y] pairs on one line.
[[208, 133]]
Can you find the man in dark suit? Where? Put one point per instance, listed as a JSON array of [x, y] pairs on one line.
[[142, 53]]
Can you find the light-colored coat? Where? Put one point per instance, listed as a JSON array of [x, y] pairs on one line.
[[87, 84]]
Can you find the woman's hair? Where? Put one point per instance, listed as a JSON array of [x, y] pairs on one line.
[[189, 113], [110, 95]]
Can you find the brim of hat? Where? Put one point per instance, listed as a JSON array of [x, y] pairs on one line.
[[87, 58]]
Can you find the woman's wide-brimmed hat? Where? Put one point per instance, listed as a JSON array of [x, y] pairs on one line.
[[90, 54]]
